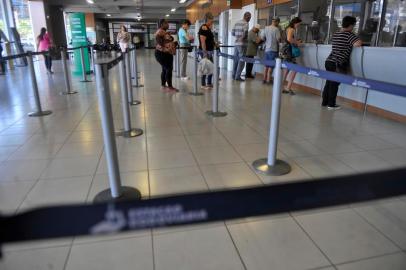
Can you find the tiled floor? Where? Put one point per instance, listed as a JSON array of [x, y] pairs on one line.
[[60, 159]]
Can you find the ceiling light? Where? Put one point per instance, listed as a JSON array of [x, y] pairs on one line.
[[90, 1], [167, 15], [108, 15], [182, 1], [173, 10]]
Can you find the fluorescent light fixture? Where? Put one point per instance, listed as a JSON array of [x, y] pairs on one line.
[[108, 15], [182, 1], [173, 10], [167, 15], [90, 1]]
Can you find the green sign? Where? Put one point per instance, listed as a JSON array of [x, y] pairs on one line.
[[78, 33]]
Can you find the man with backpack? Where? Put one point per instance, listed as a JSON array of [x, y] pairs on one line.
[[240, 32]]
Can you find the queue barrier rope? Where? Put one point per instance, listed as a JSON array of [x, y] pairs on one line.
[[114, 217]]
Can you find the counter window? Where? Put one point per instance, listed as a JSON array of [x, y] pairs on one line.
[[393, 29]]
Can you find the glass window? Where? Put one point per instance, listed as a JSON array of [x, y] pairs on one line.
[[393, 27], [23, 23], [315, 15], [286, 12]]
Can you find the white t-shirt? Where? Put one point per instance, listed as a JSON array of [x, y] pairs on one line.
[[272, 36]]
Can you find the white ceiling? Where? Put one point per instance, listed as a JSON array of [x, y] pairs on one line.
[[126, 9]]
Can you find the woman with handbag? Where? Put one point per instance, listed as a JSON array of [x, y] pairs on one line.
[[44, 43], [291, 51], [164, 52]]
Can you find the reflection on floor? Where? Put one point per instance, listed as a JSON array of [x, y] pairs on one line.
[[59, 159]]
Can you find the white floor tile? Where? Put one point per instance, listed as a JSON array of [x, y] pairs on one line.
[[229, 176], [170, 159], [80, 149], [177, 180], [206, 140], [395, 156], [299, 149], [216, 155], [344, 236], [323, 166], [389, 262], [132, 253], [12, 170], [49, 258], [71, 167], [209, 248], [276, 244], [31, 151], [363, 161], [12, 195], [389, 217], [58, 191], [167, 143], [6, 151], [370, 142]]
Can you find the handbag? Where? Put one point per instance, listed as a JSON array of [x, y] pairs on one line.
[[295, 51]]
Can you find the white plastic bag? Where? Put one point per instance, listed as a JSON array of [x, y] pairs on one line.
[[205, 67]]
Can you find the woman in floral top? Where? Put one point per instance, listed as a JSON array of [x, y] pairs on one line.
[[123, 38], [165, 50]]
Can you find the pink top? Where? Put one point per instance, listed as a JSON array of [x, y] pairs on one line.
[[45, 43]]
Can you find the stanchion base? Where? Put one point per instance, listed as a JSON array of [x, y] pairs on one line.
[[69, 93], [196, 94], [216, 114], [38, 114], [135, 102], [135, 132], [280, 168], [127, 193], [140, 85], [85, 81]]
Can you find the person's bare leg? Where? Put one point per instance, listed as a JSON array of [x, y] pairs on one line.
[[266, 74], [285, 75], [270, 74], [290, 82]]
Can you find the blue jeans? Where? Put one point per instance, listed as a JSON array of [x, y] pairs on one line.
[[271, 56], [239, 51]]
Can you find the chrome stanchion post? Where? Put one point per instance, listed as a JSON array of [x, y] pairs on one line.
[[366, 102], [92, 56], [116, 191], [215, 103], [129, 81], [68, 90], [195, 89], [271, 165], [135, 67], [34, 85], [82, 57], [178, 63], [128, 132]]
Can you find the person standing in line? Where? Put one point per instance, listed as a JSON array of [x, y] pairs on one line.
[[339, 59], [240, 32], [272, 37], [2, 63], [252, 48], [137, 41], [164, 52], [292, 41], [207, 45], [184, 41], [44, 43], [123, 38]]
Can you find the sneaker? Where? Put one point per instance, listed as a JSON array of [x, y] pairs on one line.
[[292, 93], [240, 79], [209, 86], [334, 108], [204, 87], [185, 78], [284, 91], [250, 77]]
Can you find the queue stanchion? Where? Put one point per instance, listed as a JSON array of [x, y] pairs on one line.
[[271, 165], [65, 68], [135, 67], [34, 85], [91, 48], [215, 103], [128, 132], [116, 192], [178, 63], [82, 59], [195, 89], [127, 60]]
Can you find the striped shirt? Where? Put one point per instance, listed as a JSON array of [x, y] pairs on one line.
[[342, 43], [240, 32]]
